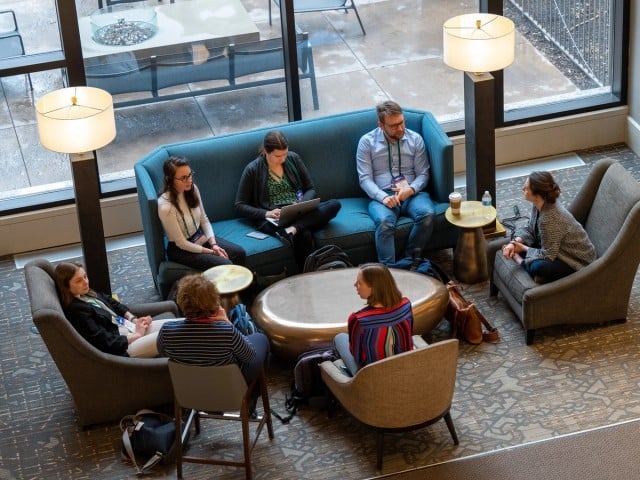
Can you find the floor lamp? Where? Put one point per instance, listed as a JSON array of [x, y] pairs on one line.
[[77, 121], [478, 43]]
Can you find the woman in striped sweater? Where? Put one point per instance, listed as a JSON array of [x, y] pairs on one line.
[[206, 336], [381, 329], [553, 244]]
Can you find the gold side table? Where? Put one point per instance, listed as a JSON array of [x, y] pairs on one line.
[[470, 256]]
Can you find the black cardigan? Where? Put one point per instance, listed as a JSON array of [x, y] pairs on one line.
[[252, 199], [95, 324]]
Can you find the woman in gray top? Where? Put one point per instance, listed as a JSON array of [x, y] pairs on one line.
[[553, 244]]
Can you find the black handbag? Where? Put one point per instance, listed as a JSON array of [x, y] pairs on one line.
[[150, 436]]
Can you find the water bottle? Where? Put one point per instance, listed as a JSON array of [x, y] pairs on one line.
[[486, 204]]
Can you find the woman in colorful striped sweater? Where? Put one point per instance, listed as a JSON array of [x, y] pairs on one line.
[[381, 329]]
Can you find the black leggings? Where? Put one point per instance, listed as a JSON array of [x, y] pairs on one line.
[[303, 243], [204, 261]]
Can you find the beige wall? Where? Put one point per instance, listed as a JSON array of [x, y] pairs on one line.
[[633, 123]]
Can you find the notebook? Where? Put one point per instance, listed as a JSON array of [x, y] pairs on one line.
[[289, 213]]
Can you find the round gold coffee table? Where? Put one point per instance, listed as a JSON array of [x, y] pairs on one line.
[[306, 311], [470, 256], [229, 280]]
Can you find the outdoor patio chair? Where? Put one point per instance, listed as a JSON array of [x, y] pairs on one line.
[[11, 44], [304, 6]]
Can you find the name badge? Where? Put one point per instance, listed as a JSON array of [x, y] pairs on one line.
[[400, 182]]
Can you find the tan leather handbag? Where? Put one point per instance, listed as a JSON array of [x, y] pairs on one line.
[[466, 320]]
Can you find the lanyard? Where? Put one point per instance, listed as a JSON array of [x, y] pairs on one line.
[[399, 158], [186, 229]]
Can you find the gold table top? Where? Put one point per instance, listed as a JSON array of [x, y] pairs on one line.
[[306, 311], [472, 215]]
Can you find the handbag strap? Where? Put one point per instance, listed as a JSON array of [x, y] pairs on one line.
[[492, 334], [128, 424], [126, 441]]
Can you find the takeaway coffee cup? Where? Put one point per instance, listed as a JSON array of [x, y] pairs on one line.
[[455, 199]]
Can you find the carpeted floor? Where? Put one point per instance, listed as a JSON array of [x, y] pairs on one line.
[[507, 394], [605, 453]]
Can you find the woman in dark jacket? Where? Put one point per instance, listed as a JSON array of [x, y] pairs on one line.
[[278, 177], [103, 321]]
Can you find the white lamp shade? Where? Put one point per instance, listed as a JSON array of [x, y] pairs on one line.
[[76, 119], [478, 42]]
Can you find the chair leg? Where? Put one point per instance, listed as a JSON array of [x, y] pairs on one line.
[[355, 10], [529, 336], [177, 415], [452, 429], [266, 406], [379, 448], [244, 414], [29, 78]]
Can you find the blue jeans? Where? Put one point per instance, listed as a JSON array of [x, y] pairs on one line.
[[341, 345], [547, 270], [419, 208]]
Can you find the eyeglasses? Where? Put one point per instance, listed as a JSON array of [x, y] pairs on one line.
[[394, 126], [186, 178]]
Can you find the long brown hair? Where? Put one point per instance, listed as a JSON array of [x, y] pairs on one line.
[[384, 290], [169, 169], [197, 297], [63, 274]]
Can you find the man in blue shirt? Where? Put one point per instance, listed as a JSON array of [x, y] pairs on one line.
[[394, 170]]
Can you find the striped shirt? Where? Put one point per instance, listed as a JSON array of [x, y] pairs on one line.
[[377, 333], [204, 343], [554, 233]]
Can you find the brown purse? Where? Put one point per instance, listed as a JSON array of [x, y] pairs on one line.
[[466, 320]]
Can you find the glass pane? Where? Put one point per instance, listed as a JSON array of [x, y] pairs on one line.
[[27, 167], [563, 51], [399, 57], [181, 70], [35, 21]]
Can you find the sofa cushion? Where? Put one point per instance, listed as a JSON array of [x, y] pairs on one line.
[[268, 255]]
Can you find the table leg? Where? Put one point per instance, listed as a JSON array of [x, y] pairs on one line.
[[470, 256], [229, 301]]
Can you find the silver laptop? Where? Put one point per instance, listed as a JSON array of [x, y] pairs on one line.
[[289, 213]]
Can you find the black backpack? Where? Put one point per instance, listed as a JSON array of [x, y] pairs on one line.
[[307, 387], [328, 257]]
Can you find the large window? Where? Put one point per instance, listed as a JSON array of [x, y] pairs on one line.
[[213, 67]]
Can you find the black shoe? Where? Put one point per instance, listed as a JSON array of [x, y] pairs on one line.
[[284, 236]]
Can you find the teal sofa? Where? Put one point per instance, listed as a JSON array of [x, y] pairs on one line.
[[328, 147]]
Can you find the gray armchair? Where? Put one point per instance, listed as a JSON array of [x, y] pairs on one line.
[[608, 206], [404, 392], [104, 387]]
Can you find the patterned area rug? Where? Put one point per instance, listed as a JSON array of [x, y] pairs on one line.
[[507, 393]]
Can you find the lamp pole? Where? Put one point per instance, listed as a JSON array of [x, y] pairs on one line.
[[480, 140], [86, 184]]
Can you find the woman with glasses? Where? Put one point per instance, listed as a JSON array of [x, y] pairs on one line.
[[186, 225]]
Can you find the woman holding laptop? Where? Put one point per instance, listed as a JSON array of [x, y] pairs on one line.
[[275, 179]]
